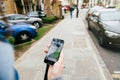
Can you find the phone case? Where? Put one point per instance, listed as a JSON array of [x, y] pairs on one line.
[[54, 51]]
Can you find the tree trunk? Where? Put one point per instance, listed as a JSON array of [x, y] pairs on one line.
[[47, 7], [71, 3], [56, 9], [77, 11]]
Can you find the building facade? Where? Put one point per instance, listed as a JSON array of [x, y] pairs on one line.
[[19, 6], [103, 2], [8, 6]]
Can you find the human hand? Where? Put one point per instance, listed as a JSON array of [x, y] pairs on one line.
[[56, 69]]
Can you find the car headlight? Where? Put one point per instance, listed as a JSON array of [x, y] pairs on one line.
[[112, 34]]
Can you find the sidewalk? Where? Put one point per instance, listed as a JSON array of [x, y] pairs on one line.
[[81, 60]]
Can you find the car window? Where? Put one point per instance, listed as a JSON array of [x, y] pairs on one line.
[[110, 16], [1, 26], [16, 17], [10, 18], [33, 13], [94, 8]]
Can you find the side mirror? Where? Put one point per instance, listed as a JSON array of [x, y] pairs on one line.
[[93, 15], [95, 19]]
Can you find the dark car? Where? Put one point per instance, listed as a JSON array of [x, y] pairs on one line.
[[19, 18], [37, 14], [106, 25], [91, 10], [22, 32]]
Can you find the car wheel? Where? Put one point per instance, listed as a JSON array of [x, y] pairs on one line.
[[89, 26], [37, 24], [102, 41], [23, 37]]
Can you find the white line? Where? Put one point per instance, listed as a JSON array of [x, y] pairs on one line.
[[116, 72]]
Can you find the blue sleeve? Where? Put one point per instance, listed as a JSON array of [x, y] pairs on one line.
[[58, 78], [6, 61]]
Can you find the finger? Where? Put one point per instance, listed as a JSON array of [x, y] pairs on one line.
[[61, 58], [48, 46], [46, 51], [62, 67]]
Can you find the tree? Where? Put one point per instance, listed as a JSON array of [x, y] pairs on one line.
[[85, 1], [56, 8], [71, 3], [77, 11], [47, 8]]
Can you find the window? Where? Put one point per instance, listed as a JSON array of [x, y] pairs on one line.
[[33, 13], [2, 5], [17, 17]]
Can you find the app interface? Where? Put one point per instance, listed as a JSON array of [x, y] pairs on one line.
[[54, 51]]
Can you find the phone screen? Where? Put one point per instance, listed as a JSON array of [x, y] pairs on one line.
[[54, 50]]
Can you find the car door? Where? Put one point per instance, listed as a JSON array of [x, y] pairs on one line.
[[91, 22], [95, 22]]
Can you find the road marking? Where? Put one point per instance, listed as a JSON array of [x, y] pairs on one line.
[[116, 75], [116, 72]]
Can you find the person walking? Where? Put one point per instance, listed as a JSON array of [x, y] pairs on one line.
[[71, 10]]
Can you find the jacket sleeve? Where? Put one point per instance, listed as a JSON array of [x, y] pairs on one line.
[[58, 78]]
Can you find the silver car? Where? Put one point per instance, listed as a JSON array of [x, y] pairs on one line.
[[19, 18]]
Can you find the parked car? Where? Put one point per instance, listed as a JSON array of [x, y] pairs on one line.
[[91, 10], [37, 14], [19, 18], [22, 32], [105, 24]]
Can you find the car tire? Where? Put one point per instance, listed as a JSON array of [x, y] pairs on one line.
[[102, 41], [37, 24], [89, 26], [23, 37]]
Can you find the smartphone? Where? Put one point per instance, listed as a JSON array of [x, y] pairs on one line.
[[54, 51]]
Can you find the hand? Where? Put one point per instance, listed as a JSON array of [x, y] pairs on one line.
[[56, 69]]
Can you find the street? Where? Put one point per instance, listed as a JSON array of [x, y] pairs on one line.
[[111, 56]]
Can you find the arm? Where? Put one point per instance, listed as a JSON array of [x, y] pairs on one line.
[[6, 61], [56, 70]]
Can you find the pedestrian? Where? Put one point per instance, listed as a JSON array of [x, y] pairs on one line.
[[65, 10], [71, 10]]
